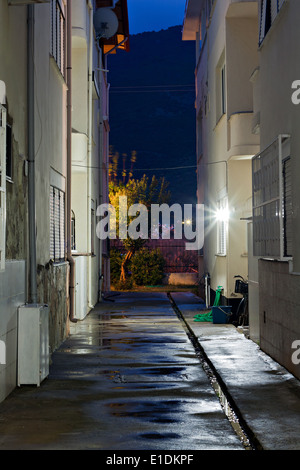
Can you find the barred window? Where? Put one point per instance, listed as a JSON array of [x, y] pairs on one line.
[[57, 224], [58, 34], [272, 201]]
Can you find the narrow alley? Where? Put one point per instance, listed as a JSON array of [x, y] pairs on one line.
[[128, 377]]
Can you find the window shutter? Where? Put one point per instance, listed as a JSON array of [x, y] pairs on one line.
[[222, 238], [287, 207], [269, 10], [274, 9], [58, 34], [2, 186], [263, 11], [52, 225], [222, 227], [61, 225], [57, 224]]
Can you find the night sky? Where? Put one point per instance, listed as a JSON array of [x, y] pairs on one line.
[[154, 15]]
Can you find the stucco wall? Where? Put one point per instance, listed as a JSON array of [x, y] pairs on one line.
[[279, 308]]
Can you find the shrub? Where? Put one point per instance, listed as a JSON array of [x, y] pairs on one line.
[[115, 265], [123, 285], [147, 267]]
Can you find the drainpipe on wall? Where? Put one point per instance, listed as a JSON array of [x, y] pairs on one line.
[[90, 137], [31, 156], [101, 158], [69, 165]]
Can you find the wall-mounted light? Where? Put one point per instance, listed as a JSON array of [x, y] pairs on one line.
[[222, 214]]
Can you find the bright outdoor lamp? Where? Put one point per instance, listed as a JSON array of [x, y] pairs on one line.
[[222, 214]]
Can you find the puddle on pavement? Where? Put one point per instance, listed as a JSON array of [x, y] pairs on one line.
[[157, 435]]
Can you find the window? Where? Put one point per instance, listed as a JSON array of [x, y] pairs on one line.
[[73, 233], [272, 201], [2, 186], [57, 224], [199, 135], [9, 152], [58, 34], [222, 221], [92, 231], [287, 207], [269, 10], [221, 88]]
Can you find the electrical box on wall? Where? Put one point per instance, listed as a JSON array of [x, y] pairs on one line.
[[33, 344]]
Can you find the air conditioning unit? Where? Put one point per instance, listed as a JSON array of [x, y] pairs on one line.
[[33, 344]]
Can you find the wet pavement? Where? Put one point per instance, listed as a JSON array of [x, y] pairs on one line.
[[131, 376], [264, 394], [127, 378]]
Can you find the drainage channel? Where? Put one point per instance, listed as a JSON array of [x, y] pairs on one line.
[[248, 439]]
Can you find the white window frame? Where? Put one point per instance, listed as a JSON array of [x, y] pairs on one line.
[[269, 231], [2, 186]]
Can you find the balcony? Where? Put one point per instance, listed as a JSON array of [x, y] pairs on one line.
[[79, 23], [242, 143], [242, 9], [79, 152]]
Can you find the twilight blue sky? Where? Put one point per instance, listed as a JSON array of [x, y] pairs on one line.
[[154, 15]]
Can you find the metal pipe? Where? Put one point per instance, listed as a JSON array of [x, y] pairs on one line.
[[69, 166], [31, 156], [90, 140]]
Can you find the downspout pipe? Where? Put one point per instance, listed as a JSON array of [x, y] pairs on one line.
[[31, 156], [90, 142], [69, 166]]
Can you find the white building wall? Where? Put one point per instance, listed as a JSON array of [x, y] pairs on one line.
[[227, 140], [12, 295], [50, 154], [279, 282], [87, 154]]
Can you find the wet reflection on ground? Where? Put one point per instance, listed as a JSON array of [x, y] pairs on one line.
[[127, 378]]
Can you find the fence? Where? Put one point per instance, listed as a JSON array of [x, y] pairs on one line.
[[177, 258]]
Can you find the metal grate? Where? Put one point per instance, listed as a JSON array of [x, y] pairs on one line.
[[272, 201]]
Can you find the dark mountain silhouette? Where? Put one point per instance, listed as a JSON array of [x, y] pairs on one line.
[[152, 109]]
